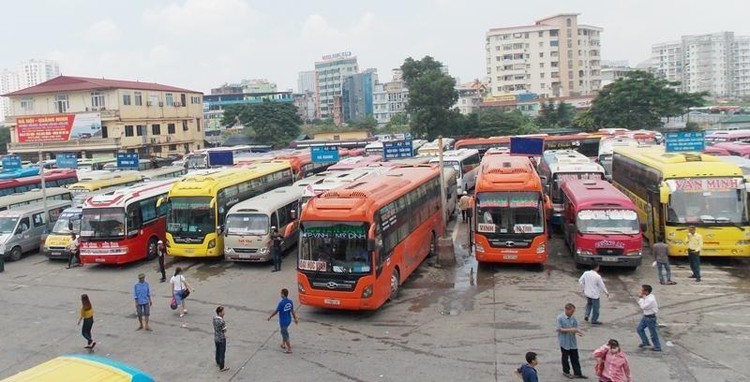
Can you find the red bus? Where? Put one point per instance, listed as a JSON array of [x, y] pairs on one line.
[[351, 163], [584, 143], [52, 178], [600, 224], [510, 221], [124, 226], [359, 242], [740, 149]]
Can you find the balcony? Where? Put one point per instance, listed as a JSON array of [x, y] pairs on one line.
[[73, 145]]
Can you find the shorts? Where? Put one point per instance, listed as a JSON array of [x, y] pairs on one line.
[[143, 310], [178, 296], [284, 333]]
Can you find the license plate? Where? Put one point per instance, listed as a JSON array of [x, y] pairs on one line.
[[609, 259], [331, 301], [245, 256], [188, 251], [510, 257], [100, 260], [55, 254]]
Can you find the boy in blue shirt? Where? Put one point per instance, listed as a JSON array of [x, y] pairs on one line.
[[286, 312], [527, 372]]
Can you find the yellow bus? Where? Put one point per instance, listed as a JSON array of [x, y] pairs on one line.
[[676, 190], [200, 202], [120, 180]]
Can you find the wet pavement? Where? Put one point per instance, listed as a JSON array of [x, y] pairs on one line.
[[462, 323]]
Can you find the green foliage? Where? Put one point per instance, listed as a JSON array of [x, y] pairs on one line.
[[268, 122], [640, 100], [367, 122], [496, 122], [4, 139], [399, 123], [553, 116], [584, 121], [432, 93]]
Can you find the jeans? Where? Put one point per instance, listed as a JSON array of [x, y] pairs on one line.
[[571, 354], [88, 323], [74, 254], [695, 263], [277, 258], [221, 349], [592, 304], [660, 267], [161, 267], [463, 215], [650, 323]]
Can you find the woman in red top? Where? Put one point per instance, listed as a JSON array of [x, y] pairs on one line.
[[611, 363]]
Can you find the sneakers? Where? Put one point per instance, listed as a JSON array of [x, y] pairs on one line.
[[568, 375], [643, 345], [691, 276], [596, 322], [586, 318], [224, 369], [671, 283]]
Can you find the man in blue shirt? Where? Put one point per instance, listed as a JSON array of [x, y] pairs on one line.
[[567, 330], [142, 296], [285, 310], [528, 371]]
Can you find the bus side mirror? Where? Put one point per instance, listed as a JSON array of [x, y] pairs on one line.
[[219, 229], [161, 201], [663, 195], [212, 204]]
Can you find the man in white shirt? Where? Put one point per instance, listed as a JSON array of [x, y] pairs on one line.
[[648, 304], [593, 287]]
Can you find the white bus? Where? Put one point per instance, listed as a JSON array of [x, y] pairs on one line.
[[432, 148], [466, 163], [10, 202], [328, 180], [249, 224], [607, 148]]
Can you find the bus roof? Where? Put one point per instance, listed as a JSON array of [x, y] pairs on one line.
[[208, 183], [124, 196], [330, 180], [729, 134], [570, 161], [507, 173], [591, 194], [456, 155], [81, 368], [164, 172], [35, 194], [679, 165], [354, 162], [270, 201], [35, 207], [733, 148], [117, 179]]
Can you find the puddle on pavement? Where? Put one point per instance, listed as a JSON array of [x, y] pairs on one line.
[[206, 270]]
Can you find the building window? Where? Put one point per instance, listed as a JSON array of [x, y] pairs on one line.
[[554, 43], [184, 126], [170, 128], [105, 132], [172, 147], [27, 104], [568, 22], [157, 149], [541, 34], [155, 129], [140, 130], [138, 98], [169, 99], [97, 100], [126, 99], [61, 103], [129, 130], [541, 65], [553, 33], [153, 100]]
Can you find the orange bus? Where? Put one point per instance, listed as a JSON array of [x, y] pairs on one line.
[[509, 224], [359, 242], [302, 164]]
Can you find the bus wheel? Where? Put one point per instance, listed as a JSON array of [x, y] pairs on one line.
[[394, 285], [15, 254], [151, 249], [433, 246]]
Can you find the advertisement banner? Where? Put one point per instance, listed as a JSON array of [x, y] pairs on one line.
[[59, 127]]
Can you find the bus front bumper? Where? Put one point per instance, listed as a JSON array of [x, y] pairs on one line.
[[248, 257], [55, 253], [610, 261], [340, 303], [180, 251]]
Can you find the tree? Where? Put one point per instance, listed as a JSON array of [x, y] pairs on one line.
[[4, 139], [640, 101], [269, 123], [432, 94], [399, 123], [555, 116], [584, 121], [495, 122], [366, 122]]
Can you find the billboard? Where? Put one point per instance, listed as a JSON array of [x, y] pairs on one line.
[[58, 127], [11, 162], [66, 160], [685, 141], [526, 146], [398, 149], [322, 154], [220, 158], [127, 161]]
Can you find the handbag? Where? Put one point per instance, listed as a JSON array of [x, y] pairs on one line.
[[185, 293], [173, 303]]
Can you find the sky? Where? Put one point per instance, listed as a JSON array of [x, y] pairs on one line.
[[201, 44]]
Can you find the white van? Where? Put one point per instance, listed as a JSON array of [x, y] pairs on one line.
[[22, 229], [466, 164], [248, 224]]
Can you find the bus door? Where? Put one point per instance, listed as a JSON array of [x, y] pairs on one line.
[[653, 226]]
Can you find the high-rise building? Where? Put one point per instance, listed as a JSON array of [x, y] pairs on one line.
[[469, 96], [356, 94], [742, 66], [329, 76], [27, 74], [390, 98], [555, 57], [666, 60], [306, 82]]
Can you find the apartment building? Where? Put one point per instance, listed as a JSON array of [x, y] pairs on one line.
[[390, 98], [329, 77], [469, 96], [555, 57], [306, 81], [666, 60], [27, 73]]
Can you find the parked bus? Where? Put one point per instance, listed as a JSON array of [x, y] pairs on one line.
[[482, 144], [123, 179], [93, 164], [250, 224], [607, 148], [413, 161], [355, 162], [727, 136], [19, 173], [319, 183], [586, 144], [81, 368], [433, 149], [465, 162], [160, 173], [22, 229], [675, 190], [358, 243], [600, 224], [199, 204], [52, 178], [33, 197], [740, 149], [509, 225], [558, 166], [302, 164], [125, 225]]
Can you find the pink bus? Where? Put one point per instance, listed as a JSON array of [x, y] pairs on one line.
[[727, 136], [600, 224], [740, 149]]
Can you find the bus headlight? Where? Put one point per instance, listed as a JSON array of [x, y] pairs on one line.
[[580, 252], [2, 248], [212, 243], [540, 249], [633, 253], [263, 250], [678, 242], [229, 250], [300, 288], [743, 242], [479, 247], [367, 292]]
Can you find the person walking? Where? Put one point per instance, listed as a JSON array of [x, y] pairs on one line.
[[593, 287], [527, 372], [220, 338], [75, 251], [661, 255], [463, 205], [87, 316], [142, 297], [648, 304], [180, 289], [611, 363], [161, 251], [277, 239], [285, 310], [695, 246], [567, 330]]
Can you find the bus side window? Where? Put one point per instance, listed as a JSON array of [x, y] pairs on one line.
[[38, 219], [134, 219], [275, 221]]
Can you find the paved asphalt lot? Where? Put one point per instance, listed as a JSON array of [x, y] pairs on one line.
[[449, 324]]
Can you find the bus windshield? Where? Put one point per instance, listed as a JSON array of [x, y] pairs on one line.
[[452, 163], [510, 212], [191, 216], [706, 205], [103, 222], [8, 224], [334, 247], [62, 225], [608, 221], [562, 177], [247, 224]]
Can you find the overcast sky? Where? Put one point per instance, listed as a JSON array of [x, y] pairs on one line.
[[199, 44]]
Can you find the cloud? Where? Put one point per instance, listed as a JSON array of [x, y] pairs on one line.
[[202, 17], [103, 31]]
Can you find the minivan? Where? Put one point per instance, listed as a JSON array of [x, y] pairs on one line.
[[22, 229]]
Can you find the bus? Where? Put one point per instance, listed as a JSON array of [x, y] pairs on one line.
[[607, 147], [19, 173], [93, 164], [558, 166], [319, 183], [199, 204], [728, 136], [302, 164], [482, 144], [740, 149], [600, 224], [124, 226], [123, 179], [167, 172], [465, 162], [676, 190], [52, 178], [355, 162], [83, 368], [33, 197], [584, 143], [433, 149], [509, 225], [250, 223], [359, 242]]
